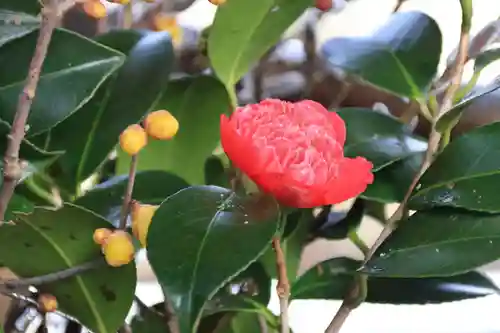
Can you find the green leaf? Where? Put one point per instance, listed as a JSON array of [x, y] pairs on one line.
[[149, 322], [91, 133], [216, 173], [218, 233], [339, 228], [485, 58], [330, 279], [452, 117], [250, 289], [401, 57], [391, 183], [48, 241], [197, 103], [379, 138], [244, 30], [438, 242], [25, 6], [151, 187], [464, 174], [15, 25], [74, 65], [298, 225], [17, 205], [245, 322]]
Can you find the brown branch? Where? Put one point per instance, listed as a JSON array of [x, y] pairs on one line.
[[283, 287], [354, 298], [52, 277], [398, 6], [12, 168], [127, 198], [172, 320], [433, 145]]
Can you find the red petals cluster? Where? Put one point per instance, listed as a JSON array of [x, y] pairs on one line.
[[294, 151]]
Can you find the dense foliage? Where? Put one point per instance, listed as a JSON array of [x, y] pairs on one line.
[[209, 240]]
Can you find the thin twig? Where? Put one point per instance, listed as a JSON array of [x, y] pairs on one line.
[[398, 6], [127, 197], [51, 277], [262, 324], [283, 287], [12, 169], [433, 145], [172, 320], [354, 298]]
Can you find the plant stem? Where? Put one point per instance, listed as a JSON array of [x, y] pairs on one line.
[[172, 320], [128, 17], [127, 198], [283, 287], [433, 145], [356, 240], [51, 277], [354, 298], [12, 168]]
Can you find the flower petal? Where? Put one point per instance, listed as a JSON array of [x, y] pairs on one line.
[[354, 175], [337, 123], [239, 149]]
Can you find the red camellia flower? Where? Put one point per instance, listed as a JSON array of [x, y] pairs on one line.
[[294, 151]]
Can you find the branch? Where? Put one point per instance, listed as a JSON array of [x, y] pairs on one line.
[[52, 277], [433, 145], [172, 320], [12, 168], [355, 296], [283, 287], [127, 198]]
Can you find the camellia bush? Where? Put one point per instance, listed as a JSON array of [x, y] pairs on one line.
[[106, 152]]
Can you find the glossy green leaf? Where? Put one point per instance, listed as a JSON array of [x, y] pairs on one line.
[[339, 228], [17, 205], [48, 241], [330, 279], [245, 322], [74, 65], [379, 138], [244, 30], [91, 133], [14, 25], [464, 174], [246, 292], [218, 233], [292, 243], [197, 103], [401, 57], [216, 173], [24, 6], [438, 242], [151, 187], [451, 118], [391, 183]]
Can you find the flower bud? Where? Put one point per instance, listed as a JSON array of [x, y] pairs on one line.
[[163, 22], [101, 234], [217, 2], [161, 125], [133, 139], [47, 303], [141, 219], [324, 5], [94, 8], [118, 249]]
